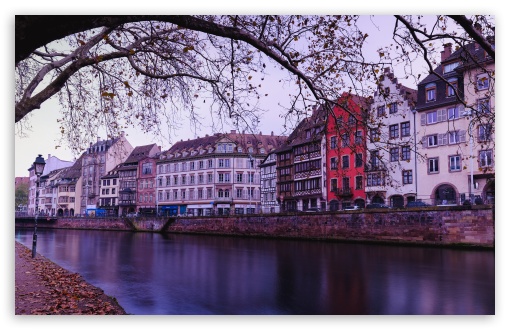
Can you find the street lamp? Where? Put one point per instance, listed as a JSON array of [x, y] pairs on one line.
[[38, 169], [467, 114]]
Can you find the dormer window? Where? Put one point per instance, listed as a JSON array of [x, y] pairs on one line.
[[430, 92], [451, 88], [450, 67]]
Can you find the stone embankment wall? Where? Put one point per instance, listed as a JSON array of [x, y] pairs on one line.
[[470, 226]]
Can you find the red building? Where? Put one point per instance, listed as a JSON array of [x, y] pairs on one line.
[[346, 152], [147, 199]]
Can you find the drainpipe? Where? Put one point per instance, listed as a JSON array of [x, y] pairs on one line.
[[415, 154]]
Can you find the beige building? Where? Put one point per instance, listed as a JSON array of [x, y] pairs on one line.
[[100, 158], [456, 129]]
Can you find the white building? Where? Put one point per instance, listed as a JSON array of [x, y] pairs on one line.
[[391, 168], [216, 174]]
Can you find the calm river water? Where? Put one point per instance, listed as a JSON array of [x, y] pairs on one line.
[[197, 274]]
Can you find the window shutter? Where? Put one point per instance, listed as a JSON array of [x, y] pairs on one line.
[[462, 136], [424, 142], [423, 119], [442, 139], [441, 115]]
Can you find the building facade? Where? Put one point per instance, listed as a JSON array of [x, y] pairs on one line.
[[268, 199], [100, 158], [301, 175], [391, 172], [216, 174], [128, 177], [456, 110], [345, 152], [147, 199]]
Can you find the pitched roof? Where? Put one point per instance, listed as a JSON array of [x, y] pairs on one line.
[[140, 153]]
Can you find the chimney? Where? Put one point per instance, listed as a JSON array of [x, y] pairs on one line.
[[98, 139], [233, 131], [272, 133], [260, 133], [49, 155], [387, 70], [122, 133], [446, 52]]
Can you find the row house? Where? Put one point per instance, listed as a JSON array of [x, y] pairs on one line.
[[52, 163], [48, 193], [109, 195], [301, 174], [390, 171], [68, 196], [456, 110], [216, 174], [268, 199], [345, 152], [147, 170], [129, 177], [100, 158]]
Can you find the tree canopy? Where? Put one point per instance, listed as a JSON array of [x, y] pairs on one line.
[[114, 71]]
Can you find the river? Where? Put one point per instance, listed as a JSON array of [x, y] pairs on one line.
[[178, 274]]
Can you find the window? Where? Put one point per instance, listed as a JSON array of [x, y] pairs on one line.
[[251, 177], [374, 179], [147, 168], [201, 164], [358, 137], [453, 137], [381, 111], [374, 158], [482, 81], [483, 105], [432, 117], [405, 129], [485, 158], [454, 163], [375, 135], [432, 140], [433, 165], [191, 166], [239, 193], [407, 177], [308, 134], [393, 131], [184, 166], [450, 67], [345, 140], [334, 163], [430, 94], [334, 184], [484, 132], [453, 113], [345, 161], [358, 160], [393, 107], [351, 120], [406, 153], [359, 182], [333, 142], [209, 177], [450, 89], [394, 154]]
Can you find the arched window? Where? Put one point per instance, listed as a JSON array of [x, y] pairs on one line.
[[334, 205], [397, 201], [377, 199], [445, 195]]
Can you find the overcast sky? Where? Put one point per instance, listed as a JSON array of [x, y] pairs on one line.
[[45, 134]]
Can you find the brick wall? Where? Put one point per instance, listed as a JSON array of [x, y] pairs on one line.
[[435, 225]]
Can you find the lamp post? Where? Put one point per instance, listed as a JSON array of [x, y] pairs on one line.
[[467, 114], [38, 169]]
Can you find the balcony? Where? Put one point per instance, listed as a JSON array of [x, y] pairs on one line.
[[375, 167], [127, 202], [343, 192], [226, 200]]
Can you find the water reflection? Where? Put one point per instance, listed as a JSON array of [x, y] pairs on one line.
[[197, 274]]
